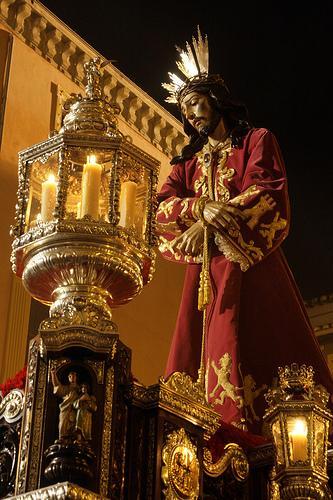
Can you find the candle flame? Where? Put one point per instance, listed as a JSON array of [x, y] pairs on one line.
[[91, 159], [51, 178], [300, 427]]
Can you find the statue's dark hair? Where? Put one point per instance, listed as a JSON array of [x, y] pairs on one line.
[[234, 114]]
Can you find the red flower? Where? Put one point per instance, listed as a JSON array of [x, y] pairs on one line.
[[16, 382]]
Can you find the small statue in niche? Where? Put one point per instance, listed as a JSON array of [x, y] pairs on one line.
[[85, 405], [69, 394]]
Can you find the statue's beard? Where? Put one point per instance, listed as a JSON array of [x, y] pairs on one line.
[[211, 126]]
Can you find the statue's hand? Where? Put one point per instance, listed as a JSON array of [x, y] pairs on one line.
[[220, 215], [191, 241]]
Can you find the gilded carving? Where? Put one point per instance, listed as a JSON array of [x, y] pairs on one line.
[[98, 367], [233, 457], [186, 397], [36, 428], [26, 423], [12, 405], [80, 337], [151, 457], [61, 491], [184, 385], [107, 427], [181, 469]]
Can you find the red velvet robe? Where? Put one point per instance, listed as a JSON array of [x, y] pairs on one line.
[[256, 320]]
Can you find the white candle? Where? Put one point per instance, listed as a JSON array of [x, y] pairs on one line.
[[299, 441], [48, 201], [78, 210], [127, 203], [91, 183]]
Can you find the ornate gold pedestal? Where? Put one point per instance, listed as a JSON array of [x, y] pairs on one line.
[[102, 362], [167, 428]]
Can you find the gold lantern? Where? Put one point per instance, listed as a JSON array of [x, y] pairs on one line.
[[299, 421], [84, 231]]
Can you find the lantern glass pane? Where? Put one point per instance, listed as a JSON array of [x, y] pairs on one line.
[[319, 451], [88, 193], [133, 203], [277, 435], [42, 192], [297, 428]]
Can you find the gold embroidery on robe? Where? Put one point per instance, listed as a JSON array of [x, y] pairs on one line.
[[265, 204], [201, 184], [252, 251], [221, 152], [170, 227], [224, 386], [250, 392], [183, 215], [270, 229], [249, 248], [166, 246], [241, 198], [166, 206]]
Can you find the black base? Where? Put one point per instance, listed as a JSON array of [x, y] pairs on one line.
[[69, 461]]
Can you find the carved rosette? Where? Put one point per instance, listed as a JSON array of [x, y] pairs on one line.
[[11, 411], [11, 406], [181, 470]]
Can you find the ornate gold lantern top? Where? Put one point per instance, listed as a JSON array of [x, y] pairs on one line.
[[299, 421], [85, 215]]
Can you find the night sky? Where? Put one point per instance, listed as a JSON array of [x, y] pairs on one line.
[[276, 57]]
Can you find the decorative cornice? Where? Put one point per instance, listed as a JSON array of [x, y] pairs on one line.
[[53, 40], [319, 301], [60, 491], [324, 329]]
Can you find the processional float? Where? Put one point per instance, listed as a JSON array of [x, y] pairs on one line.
[[84, 239]]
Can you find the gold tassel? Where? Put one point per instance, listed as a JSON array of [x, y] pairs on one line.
[[204, 293]]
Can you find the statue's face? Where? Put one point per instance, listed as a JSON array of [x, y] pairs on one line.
[[199, 113], [72, 377]]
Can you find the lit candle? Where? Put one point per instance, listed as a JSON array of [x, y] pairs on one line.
[[91, 182], [78, 210], [127, 203], [299, 441], [48, 201]]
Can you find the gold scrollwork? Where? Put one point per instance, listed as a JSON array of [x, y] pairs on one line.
[[106, 444], [98, 367], [60, 490], [233, 457], [11, 407], [181, 470], [185, 385]]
